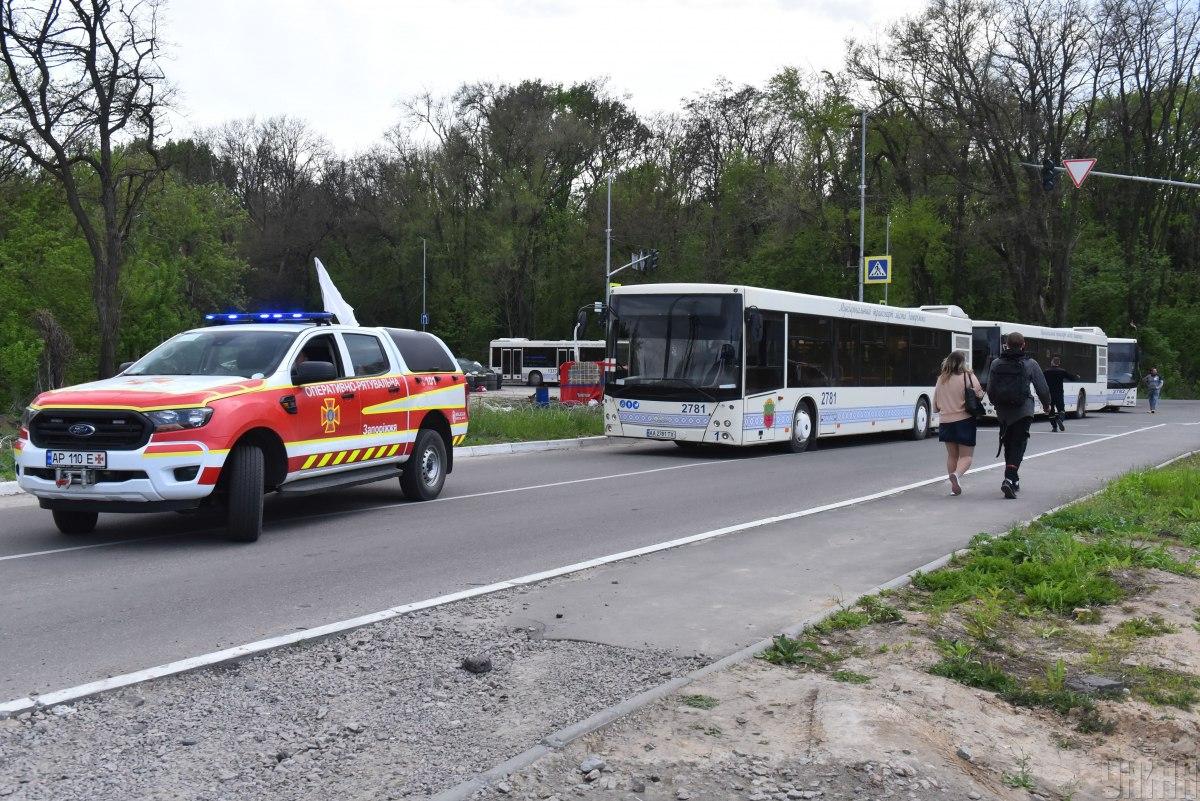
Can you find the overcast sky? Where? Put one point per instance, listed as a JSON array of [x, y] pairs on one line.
[[342, 65]]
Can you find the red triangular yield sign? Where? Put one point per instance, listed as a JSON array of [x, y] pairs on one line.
[[1078, 169]]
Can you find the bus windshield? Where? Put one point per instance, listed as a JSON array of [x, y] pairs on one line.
[[1122, 364], [678, 346]]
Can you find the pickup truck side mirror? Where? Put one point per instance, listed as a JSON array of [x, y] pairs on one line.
[[313, 373], [125, 366]]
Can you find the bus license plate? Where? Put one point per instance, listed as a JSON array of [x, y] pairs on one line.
[[91, 460], [659, 433]]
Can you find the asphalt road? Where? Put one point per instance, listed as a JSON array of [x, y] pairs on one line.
[[166, 587]]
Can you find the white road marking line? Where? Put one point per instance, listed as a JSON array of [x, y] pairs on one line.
[[86, 547], [385, 507], [183, 665], [1065, 433]]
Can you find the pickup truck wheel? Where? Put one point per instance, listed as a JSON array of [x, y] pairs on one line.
[[72, 522], [243, 522], [425, 471]]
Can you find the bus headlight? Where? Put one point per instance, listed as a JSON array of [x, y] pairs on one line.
[[179, 419]]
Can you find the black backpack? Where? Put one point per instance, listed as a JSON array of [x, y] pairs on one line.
[[1008, 384]]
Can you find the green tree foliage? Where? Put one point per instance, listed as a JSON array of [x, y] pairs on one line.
[[505, 185]]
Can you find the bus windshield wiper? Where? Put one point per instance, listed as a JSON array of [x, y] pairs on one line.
[[687, 382]]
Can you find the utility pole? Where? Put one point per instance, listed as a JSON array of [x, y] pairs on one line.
[[608, 246], [887, 251], [862, 207], [424, 316]]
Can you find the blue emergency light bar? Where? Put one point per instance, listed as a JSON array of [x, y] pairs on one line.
[[227, 318]]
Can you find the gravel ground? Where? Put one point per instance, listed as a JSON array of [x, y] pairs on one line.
[[382, 712]]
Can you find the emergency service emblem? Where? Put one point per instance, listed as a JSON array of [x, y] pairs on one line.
[[331, 415]]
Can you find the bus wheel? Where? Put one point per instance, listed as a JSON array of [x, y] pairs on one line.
[[920, 426], [804, 429], [535, 379], [1080, 406]]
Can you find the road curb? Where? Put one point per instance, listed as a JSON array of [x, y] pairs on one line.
[[569, 734], [9, 488], [535, 446]]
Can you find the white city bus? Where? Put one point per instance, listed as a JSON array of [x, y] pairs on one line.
[[536, 361], [1083, 351], [737, 365], [1123, 357]]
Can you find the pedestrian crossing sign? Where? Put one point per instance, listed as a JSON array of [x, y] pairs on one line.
[[877, 270]]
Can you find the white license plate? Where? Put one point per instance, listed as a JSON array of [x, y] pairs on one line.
[[659, 433], [91, 460]]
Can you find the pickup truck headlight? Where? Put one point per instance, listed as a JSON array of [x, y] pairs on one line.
[[27, 417], [179, 419]]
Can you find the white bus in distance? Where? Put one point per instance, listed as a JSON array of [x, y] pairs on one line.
[[1123, 375], [536, 361], [1083, 351], [738, 365]]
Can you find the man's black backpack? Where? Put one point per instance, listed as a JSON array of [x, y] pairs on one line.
[[1008, 384]]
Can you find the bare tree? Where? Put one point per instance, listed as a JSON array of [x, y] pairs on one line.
[[1011, 81], [82, 99], [278, 169]]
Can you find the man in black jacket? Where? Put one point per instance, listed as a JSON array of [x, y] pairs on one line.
[[1055, 376], [1015, 418]]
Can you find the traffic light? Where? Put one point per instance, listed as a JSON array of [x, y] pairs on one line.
[[1049, 175], [644, 260]]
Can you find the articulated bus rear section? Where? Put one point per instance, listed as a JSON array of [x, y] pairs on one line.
[[737, 365], [1082, 352]]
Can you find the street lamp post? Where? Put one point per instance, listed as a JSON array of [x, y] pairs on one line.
[[424, 316]]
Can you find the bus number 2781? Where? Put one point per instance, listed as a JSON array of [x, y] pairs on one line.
[[828, 398], [695, 408]]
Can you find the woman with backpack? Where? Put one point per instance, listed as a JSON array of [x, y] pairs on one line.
[[957, 397]]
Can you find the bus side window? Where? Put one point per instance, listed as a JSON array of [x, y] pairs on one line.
[[810, 351], [845, 363]]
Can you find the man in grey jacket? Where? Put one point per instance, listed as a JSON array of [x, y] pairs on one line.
[[1016, 418]]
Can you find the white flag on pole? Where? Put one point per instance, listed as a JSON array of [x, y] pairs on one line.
[[332, 299]]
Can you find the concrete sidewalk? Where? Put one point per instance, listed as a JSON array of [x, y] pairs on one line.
[[714, 597]]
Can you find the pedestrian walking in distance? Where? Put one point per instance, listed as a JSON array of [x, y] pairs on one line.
[[1009, 382], [1154, 383], [956, 385], [1055, 376]]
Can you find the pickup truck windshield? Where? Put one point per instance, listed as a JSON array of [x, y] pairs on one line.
[[246, 354]]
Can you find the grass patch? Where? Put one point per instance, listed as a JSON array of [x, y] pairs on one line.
[[700, 701], [495, 422], [1022, 779], [869, 609], [785, 650], [1163, 687], [1136, 627], [1059, 572], [850, 677]]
